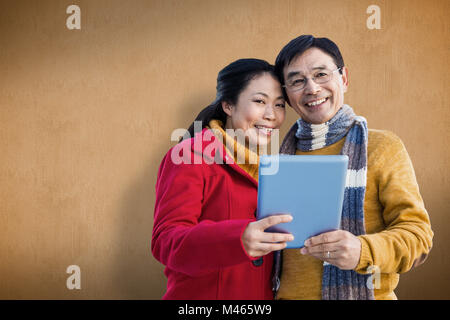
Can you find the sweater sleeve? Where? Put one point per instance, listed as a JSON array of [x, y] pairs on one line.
[[181, 239], [407, 238]]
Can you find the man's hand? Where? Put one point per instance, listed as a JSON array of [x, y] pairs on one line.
[[339, 248], [258, 243]]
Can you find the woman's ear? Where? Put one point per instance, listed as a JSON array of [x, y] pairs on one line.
[[227, 107]]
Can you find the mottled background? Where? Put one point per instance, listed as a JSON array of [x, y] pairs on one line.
[[86, 117]]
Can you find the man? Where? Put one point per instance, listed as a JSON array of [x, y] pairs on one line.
[[385, 228]]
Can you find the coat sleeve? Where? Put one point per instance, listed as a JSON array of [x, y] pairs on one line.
[[181, 239], [407, 238]]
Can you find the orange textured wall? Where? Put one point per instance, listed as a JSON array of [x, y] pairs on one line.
[[86, 117]]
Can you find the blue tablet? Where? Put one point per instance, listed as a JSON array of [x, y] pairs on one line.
[[310, 188]]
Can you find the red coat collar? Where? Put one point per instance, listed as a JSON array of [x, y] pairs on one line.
[[206, 145]]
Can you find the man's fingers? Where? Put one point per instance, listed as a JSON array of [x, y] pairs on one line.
[[273, 220], [320, 249], [327, 237], [334, 256]]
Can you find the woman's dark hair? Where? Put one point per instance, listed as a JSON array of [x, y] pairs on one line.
[[299, 45], [231, 81]]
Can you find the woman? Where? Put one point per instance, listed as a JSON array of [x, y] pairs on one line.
[[204, 230]]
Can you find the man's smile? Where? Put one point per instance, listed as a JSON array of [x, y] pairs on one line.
[[316, 104]]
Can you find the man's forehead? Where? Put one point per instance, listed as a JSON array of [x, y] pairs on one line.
[[311, 59]]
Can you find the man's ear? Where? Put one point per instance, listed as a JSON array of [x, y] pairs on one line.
[[227, 108], [345, 78]]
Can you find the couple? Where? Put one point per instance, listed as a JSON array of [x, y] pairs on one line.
[[205, 231]]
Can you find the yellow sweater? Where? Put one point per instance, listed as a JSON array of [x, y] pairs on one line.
[[398, 232]]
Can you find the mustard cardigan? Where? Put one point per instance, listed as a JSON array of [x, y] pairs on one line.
[[398, 232]]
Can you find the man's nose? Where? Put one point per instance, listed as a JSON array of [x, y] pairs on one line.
[[312, 87]]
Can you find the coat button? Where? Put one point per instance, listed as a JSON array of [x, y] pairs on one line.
[[258, 262]]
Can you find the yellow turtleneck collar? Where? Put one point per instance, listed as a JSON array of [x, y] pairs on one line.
[[237, 150]]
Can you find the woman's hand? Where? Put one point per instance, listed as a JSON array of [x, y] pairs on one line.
[[339, 248], [258, 243]]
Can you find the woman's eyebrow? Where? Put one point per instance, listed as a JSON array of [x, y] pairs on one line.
[[266, 95], [262, 93]]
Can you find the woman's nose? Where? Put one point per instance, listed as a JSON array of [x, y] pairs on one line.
[[269, 113]]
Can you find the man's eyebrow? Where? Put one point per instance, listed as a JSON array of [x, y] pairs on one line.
[[295, 73], [292, 74], [321, 67]]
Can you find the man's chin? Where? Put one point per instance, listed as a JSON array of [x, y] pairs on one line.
[[318, 117]]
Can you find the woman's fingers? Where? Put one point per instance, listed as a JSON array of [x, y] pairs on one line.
[[269, 237], [257, 242], [265, 248], [267, 222]]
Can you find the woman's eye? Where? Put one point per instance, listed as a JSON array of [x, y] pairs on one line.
[[281, 105], [259, 101]]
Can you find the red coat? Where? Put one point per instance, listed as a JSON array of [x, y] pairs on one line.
[[201, 211]]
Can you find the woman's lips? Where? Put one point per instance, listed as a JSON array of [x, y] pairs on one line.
[[264, 130]]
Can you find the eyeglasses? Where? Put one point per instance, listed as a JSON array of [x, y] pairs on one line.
[[299, 82]]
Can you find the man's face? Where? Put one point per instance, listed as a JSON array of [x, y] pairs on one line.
[[316, 103]]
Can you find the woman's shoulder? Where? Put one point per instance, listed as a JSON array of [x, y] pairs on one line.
[[199, 153]]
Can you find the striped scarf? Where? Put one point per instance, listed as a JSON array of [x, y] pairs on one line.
[[340, 284]]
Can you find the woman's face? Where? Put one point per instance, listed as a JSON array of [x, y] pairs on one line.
[[259, 110]]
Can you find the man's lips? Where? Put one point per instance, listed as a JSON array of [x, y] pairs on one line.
[[316, 103]]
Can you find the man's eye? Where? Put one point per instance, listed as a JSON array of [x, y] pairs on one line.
[[297, 82], [259, 101], [321, 75]]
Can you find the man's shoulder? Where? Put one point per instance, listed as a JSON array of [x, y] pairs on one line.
[[383, 142], [377, 136]]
